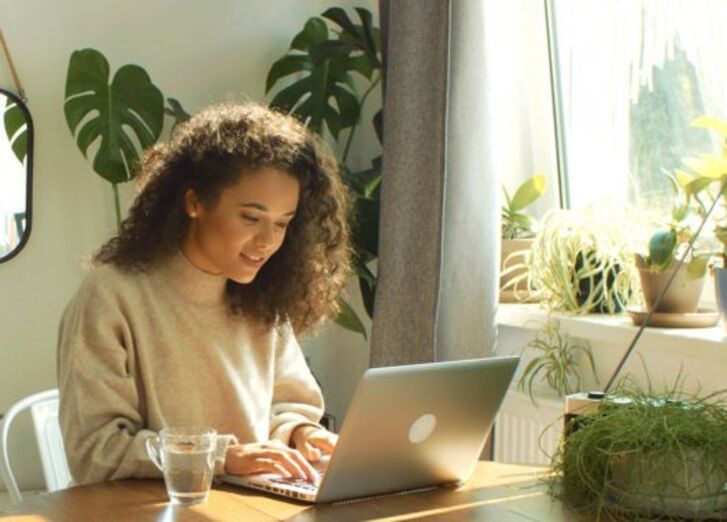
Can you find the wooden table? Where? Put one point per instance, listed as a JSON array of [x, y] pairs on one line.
[[495, 492]]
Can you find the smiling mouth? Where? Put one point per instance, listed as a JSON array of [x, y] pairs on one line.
[[254, 260]]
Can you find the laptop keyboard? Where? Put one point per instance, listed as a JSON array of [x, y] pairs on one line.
[[297, 483]]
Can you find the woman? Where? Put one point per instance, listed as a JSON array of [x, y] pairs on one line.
[[237, 242]]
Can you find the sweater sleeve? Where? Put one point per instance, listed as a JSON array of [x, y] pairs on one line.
[[103, 429], [297, 399]]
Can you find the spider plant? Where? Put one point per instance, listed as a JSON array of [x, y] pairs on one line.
[[556, 361], [580, 261]]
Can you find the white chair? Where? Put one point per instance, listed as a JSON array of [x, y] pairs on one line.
[[44, 411]]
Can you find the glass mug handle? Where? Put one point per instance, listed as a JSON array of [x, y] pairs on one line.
[[152, 449]]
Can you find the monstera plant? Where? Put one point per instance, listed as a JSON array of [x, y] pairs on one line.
[[125, 115], [16, 128], [318, 80]]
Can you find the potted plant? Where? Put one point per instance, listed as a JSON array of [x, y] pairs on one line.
[[641, 454], [666, 249], [517, 238], [318, 80], [117, 113], [556, 361], [581, 262]]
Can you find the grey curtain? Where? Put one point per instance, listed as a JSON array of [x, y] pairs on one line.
[[439, 224]]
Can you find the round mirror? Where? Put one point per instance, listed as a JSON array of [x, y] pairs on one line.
[[16, 155]]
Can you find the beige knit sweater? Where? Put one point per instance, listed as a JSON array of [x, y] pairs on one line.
[[141, 351]]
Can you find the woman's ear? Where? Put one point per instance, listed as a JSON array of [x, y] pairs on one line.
[[192, 204]]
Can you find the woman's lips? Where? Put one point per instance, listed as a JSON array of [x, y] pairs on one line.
[[253, 261]]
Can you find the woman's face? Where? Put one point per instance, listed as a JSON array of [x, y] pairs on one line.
[[246, 226]]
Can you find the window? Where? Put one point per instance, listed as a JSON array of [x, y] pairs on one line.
[[630, 76]]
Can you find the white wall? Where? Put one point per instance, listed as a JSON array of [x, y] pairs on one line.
[[198, 52]]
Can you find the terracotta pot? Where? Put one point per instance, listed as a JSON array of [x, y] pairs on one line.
[[513, 252], [681, 297]]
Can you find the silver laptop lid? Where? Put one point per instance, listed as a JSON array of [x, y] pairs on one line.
[[414, 426]]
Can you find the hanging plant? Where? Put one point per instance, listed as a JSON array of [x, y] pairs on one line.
[[556, 361], [124, 116]]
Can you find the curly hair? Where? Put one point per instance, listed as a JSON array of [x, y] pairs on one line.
[[212, 150]]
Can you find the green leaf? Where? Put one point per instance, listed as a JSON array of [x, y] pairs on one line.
[[285, 66], [714, 124], [328, 50], [720, 232], [363, 272], [379, 125], [364, 182], [708, 166], [680, 212], [368, 294], [528, 192], [131, 106], [697, 268], [325, 92], [314, 31], [364, 37], [176, 111], [698, 185], [366, 227], [16, 128], [661, 248], [349, 319]]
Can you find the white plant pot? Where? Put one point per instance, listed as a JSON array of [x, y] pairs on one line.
[[696, 488], [720, 289]]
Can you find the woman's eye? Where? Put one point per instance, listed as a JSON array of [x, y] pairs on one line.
[[251, 219], [282, 226]]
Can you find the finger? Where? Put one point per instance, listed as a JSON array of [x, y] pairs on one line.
[[284, 458], [310, 452], [311, 473], [327, 442], [271, 466], [274, 443]]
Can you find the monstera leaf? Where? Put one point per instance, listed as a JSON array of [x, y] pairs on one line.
[[326, 92], [318, 74], [176, 111], [16, 127], [129, 107], [363, 37]]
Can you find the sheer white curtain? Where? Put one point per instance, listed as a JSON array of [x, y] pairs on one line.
[[521, 136]]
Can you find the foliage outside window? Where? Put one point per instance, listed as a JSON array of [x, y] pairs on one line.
[[633, 75]]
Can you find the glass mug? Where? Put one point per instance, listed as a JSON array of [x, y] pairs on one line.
[[186, 457]]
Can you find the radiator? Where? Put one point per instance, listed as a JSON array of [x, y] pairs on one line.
[[518, 429]]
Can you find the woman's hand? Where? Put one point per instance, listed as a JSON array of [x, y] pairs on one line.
[[313, 441], [268, 457]]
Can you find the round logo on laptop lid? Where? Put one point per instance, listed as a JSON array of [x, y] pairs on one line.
[[422, 428]]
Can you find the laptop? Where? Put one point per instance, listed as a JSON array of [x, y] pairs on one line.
[[408, 428]]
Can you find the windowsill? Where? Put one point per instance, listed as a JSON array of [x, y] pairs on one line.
[[700, 343]]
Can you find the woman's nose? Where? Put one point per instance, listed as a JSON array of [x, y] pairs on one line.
[[265, 236]]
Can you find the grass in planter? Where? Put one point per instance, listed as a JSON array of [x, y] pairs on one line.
[[663, 435]]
